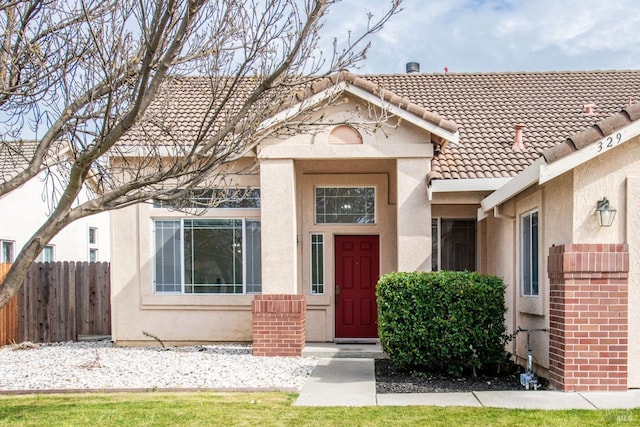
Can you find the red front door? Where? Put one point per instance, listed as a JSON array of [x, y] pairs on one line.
[[357, 271]]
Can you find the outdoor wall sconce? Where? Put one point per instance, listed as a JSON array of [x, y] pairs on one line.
[[606, 213]]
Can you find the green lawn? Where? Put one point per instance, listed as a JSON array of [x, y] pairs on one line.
[[268, 409]]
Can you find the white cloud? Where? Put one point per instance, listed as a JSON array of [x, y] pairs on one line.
[[499, 35]]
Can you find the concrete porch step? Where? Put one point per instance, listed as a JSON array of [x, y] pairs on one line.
[[353, 350]]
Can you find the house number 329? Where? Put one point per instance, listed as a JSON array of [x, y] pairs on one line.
[[609, 142]]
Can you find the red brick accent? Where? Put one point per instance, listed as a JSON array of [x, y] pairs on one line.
[[588, 316], [279, 325]]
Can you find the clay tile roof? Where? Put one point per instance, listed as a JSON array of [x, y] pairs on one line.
[[387, 95], [483, 107], [15, 156], [181, 106], [487, 106], [597, 131]]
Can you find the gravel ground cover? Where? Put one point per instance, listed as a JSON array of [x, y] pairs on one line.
[[101, 365]]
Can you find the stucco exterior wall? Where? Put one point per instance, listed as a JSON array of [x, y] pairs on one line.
[[23, 211], [414, 215], [566, 207], [389, 138], [531, 312], [504, 259], [614, 175], [290, 169], [500, 258], [558, 196], [137, 311], [279, 228], [633, 239]]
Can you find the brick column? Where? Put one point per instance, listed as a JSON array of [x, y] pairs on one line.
[[279, 325], [588, 316]]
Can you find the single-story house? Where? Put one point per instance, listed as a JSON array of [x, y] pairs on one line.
[[25, 209], [496, 172]]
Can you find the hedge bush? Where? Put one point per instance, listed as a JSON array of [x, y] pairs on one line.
[[442, 321]]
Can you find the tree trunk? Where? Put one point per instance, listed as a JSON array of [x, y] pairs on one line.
[[54, 224]]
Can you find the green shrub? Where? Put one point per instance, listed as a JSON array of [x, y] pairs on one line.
[[442, 321]]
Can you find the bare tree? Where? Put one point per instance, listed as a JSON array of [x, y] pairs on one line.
[[93, 81]]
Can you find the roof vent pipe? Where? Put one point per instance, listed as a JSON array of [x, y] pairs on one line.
[[413, 67], [518, 144], [589, 108]]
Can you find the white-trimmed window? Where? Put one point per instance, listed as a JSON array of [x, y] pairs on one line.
[[222, 198], [48, 254], [453, 244], [317, 263], [207, 256], [529, 251], [93, 236], [7, 251], [345, 205]]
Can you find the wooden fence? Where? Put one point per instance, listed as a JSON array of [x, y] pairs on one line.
[[59, 301], [8, 314]]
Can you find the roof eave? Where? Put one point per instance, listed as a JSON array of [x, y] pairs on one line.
[[517, 184], [548, 171], [464, 185], [447, 135], [541, 172], [344, 86], [296, 109]]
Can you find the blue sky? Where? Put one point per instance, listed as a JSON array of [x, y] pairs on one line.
[[497, 35]]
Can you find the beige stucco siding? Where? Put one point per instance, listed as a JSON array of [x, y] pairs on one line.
[[500, 257], [604, 176], [503, 260], [633, 239], [383, 136], [138, 310], [614, 175], [566, 207], [414, 215], [394, 158], [558, 196], [279, 226]]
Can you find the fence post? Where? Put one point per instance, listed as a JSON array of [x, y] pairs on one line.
[[8, 314]]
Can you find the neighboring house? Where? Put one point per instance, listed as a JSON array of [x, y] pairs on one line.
[[25, 209], [467, 171]]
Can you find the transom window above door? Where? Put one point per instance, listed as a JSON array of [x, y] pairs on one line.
[[345, 205]]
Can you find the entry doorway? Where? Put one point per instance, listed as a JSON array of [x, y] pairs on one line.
[[357, 266]]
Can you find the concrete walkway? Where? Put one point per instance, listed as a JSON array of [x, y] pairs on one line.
[[351, 382]]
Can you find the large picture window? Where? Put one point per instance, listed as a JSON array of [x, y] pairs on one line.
[[345, 205], [207, 256], [453, 244], [529, 251]]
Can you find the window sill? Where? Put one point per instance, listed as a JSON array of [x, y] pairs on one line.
[[197, 302], [531, 305]]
